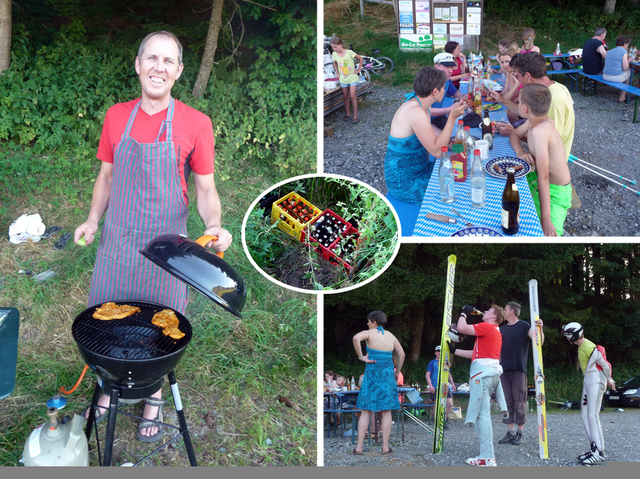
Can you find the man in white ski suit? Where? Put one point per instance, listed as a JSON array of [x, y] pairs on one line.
[[597, 375]]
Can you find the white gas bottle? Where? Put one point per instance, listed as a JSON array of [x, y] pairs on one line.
[[57, 444]]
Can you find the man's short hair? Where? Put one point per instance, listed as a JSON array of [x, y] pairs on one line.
[[378, 317], [599, 31], [499, 313], [537, 97], [622, 40], [428, 79], [163, 33], [515, 307], [532, 63], [449, 47]]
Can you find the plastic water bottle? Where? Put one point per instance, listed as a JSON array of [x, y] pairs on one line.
[[558, 52], [447, 187], [478, 182]]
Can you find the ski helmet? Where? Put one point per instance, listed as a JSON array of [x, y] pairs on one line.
[[573, 331], [454, 335], [438, 348]]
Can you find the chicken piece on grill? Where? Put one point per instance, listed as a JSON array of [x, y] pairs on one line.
[[109, 311]]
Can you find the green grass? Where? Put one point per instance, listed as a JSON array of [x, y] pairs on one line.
[[232, 372]]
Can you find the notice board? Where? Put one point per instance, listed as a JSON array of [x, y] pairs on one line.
[[429, 24]]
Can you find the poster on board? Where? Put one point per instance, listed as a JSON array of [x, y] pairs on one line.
[[416, 42]]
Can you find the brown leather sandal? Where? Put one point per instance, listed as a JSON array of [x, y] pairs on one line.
[[387, 452], [357, 453]]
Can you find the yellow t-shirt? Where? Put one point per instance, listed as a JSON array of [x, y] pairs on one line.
[[561, 112], [346, 66], [584, 353]]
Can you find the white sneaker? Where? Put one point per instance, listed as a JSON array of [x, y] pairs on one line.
[[593, 458], [474, 461]]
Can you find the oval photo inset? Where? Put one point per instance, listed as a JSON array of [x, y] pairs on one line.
[[320, 233]]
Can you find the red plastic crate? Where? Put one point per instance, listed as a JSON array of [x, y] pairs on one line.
[[328, 253]]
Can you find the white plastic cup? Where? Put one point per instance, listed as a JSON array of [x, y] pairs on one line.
[[483, 146]]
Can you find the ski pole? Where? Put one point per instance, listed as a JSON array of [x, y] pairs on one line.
[[572, 159], [606, 177]]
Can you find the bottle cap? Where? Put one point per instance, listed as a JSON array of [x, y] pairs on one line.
[[467, 127], [510, 169], [457, 148], [476, 152], [444, 148], [460, 122]]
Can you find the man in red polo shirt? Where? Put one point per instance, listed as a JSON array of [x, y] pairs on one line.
[[148, 148]]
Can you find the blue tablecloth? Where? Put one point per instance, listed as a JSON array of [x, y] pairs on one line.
[[489, 216]]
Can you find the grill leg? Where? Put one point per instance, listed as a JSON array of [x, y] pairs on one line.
[[111, 427], [92, 411], [183, 422]]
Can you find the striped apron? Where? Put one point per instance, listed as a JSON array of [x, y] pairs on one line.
[[146, 201]]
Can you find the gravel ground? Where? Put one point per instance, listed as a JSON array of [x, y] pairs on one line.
[[566, 441], [604, 136]]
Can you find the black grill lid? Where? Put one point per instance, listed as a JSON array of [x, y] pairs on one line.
[[200, 268]]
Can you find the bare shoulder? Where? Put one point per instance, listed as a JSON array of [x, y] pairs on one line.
[[544, 129]]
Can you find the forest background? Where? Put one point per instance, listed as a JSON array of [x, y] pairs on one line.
[[70, 61], [597, 285]]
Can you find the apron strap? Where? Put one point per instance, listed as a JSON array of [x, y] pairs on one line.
[[167, 124], [132, 118]]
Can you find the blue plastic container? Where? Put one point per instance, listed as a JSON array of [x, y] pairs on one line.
[[9, 328]]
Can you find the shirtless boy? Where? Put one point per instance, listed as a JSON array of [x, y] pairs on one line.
[[550, 183]]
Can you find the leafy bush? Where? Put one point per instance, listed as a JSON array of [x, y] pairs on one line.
[[55, 97]]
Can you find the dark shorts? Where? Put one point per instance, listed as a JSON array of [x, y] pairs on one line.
[[433, 396], [439, 121]]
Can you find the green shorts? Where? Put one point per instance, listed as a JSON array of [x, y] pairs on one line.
[[560, 199]]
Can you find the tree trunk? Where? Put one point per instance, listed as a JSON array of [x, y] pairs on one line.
[[209, 48], [609, 6], [5, 35], [416, 324]]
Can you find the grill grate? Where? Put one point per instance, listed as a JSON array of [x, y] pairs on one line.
[[130, 338]]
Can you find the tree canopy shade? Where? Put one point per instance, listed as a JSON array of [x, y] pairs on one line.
[[597, 285], [73, 59]]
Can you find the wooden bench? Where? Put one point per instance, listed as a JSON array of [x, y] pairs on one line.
[[631, 90]]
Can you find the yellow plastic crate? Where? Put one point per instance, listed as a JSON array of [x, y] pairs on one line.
[[293, 222]]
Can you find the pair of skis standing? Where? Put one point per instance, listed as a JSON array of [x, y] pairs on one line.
[[594, 456]]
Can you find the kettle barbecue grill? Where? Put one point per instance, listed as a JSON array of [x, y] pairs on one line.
[[131, 356]]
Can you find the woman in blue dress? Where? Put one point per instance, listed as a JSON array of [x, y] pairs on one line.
[[379, 391], [407, 167]]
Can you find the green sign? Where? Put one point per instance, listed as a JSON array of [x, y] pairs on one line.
[[416, 42]]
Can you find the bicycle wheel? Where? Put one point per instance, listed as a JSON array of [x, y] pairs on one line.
[[382, 65]]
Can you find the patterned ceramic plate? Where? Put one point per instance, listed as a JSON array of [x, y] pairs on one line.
[[497, 167], [476, 231], [453, 140]]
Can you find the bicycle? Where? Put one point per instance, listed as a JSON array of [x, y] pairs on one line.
[[378, 66]]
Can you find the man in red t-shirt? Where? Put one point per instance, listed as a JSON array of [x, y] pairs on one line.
[[484, 377], [148, 148]]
